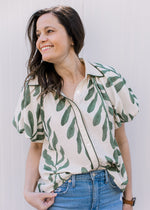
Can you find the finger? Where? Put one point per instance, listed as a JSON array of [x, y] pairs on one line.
[[48, 195], [50, 202]]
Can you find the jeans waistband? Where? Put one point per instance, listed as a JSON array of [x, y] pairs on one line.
[[93, 175]]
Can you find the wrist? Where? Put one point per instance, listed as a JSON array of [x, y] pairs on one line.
[[130, 202]]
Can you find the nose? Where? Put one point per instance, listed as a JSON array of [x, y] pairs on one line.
[[42, 38]]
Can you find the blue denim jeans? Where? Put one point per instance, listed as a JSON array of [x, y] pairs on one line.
[[95, 190]]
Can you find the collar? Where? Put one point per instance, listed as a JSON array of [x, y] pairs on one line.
[[90, 69]]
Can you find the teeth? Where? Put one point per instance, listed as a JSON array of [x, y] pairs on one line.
[[45, 48]]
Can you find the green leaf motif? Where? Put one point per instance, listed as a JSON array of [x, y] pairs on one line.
[[64, 166], [110, 125], [123, 170], [105, 130], [105, 96], [31, 120], [90, 94], [48, 127], [60, 105], [97, 117], [39, 137], [65, 116], [42, 115], [119, 85], [19, 116], [112, 166], [90, 83], [51, 178], [84, 170], [92, 105], [71, 129], [112, 141], [47, 158], [27, 98], [131, 116], [125, 183], [62, 154], [111, 111], [79, 145], [109, 160], [38, 112], [28, 130], [124, 116], [14, 123], [54, 141], [110, 81], [100, 86], [47, 168], [116, 154], [36, 90]]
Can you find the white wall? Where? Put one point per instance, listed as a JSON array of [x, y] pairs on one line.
[[117, 34]]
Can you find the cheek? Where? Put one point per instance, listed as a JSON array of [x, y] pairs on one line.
[[37, 44]]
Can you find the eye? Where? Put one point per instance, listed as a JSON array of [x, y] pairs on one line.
[[49, 31]]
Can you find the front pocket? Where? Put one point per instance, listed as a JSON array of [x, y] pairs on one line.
[[112, 183], [63, 188]]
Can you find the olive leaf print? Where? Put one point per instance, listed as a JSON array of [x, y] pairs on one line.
[[26, 99], [111, 80], [132, 96], [111, 165], [71, 129], [105, 69], [97, 117], [119, 85], [57, 163], [125, 183], [104, 128], [116, 155], [61, 104], [84, 170], [92, 105], [103, 92], [36, 90], [123, 170], [90, 94], [66, 115]]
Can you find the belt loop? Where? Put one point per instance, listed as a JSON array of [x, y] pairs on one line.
[[106, 176], [73, 180]]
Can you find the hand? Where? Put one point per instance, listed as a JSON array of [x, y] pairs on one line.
[[40, 201], [127, 207]]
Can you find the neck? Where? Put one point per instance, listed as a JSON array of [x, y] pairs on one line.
[[71, 70]]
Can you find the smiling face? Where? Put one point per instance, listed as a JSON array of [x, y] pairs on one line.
[[53, 41]]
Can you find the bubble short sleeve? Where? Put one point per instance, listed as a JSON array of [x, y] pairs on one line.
[[28, 115], [123, 100]]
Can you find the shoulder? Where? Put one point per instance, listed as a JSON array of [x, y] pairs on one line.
[[106, 69], [111, 78]]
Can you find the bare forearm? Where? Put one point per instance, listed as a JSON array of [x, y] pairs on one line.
[[127, 161], [32, 165], [125, 151]]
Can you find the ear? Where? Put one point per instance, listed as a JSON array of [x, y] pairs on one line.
[[72, 42]]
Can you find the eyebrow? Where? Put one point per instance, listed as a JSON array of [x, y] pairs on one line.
[[46, 27]]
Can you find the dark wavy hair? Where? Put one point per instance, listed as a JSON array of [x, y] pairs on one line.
[[48, 78]]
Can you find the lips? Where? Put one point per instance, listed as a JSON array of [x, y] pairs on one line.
[[46, 47]]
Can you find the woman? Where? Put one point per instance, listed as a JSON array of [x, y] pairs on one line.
[[74, 112]]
